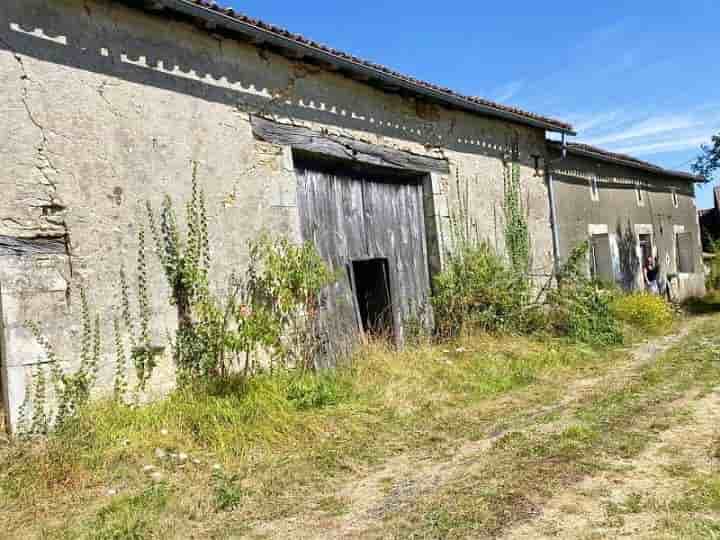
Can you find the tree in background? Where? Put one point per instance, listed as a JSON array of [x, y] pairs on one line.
[[709, 161], [706, 165]]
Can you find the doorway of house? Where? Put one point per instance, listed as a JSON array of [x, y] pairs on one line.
[[646, 248], [370, 220], [371, 279]]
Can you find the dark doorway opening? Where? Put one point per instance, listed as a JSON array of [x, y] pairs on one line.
[[371, 285], [646, 248]]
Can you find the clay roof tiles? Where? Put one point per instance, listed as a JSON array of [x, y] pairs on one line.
[[624, 159]]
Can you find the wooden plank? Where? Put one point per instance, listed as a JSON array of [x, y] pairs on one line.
[[37, 245], [322, 203], [396, 231], [353, 213], [337, 146]]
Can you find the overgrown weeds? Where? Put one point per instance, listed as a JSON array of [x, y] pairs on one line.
[[481, 291], [579, 309], [270, 309], [650, 313], [478, 291]]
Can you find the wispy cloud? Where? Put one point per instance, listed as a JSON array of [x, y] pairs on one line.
[[651, 127], [647, 134], [665, 146], [508, 91], [590, 122]]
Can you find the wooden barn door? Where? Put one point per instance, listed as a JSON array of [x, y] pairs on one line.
[[358, 213]]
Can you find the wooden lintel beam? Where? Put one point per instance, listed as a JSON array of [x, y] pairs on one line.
[[36, 245], [303, 138]]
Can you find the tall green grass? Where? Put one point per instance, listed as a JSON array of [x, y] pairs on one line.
[[348, 413]]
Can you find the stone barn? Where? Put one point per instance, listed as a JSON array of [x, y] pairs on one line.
[[628, 210], [109, 104]]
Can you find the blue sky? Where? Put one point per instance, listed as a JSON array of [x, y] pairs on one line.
[[638, 77]]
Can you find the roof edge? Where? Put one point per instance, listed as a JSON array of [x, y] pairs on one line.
[[215, 16], [627, 161]]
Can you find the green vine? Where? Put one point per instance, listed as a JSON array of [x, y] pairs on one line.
[[463, 228], [71, 390], [186, 264], [517, 232], [121, 384], [143, 353]]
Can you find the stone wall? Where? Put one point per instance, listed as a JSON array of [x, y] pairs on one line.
[[617, 212], [106, 107]]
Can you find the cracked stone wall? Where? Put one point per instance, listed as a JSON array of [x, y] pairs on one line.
[[105, 107]]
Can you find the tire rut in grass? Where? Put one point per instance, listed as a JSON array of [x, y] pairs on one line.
[[404, 479]]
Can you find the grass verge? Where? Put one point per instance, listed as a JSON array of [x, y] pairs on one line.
[[214, 460]]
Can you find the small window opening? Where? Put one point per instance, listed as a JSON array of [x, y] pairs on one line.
[[372, 292], [594, 191], [675, 201]]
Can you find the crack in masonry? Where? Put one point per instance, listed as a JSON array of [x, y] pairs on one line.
[[433, 132], [276, 104], [101, 91], [42, 155]]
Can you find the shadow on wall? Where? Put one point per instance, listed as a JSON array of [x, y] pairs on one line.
[[86, 41], [627, 250]]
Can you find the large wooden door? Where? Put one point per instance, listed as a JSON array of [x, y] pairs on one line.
[[352, 213]]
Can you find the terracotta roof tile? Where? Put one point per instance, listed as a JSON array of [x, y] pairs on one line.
[[623, 159], [299, 39]]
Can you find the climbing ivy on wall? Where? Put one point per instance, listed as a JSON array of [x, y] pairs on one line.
[[70, 390], [463, 227], [517, 232]]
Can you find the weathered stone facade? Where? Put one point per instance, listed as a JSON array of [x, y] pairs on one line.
[[628, 204], [106, 106]]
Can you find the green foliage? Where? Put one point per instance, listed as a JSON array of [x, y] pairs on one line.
[[708, 163], [517, 232], [144, 358], [650, 313], [142, 352], [578, 308], [70, 390], [130, 517], [227, 491], [286, 287], [478, 291], [712, 281], [273, 307], [185, 262], [316, 391], [121, 384]]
